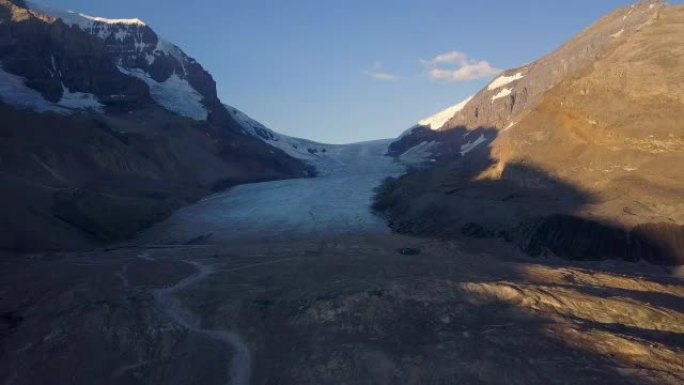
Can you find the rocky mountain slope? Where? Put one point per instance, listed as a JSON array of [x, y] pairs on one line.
[[106, 127], [574, 154]]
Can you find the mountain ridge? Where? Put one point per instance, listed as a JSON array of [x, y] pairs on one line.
[[141, 131], [576, 141]]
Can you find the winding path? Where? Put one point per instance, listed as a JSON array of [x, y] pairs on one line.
[[241, 363], [335, 202]]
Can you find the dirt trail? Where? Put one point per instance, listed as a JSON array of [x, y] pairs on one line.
[[240, 368]]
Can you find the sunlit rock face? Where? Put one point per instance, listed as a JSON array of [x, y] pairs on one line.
[[590, 131]]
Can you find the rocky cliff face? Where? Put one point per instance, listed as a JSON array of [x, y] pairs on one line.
[[591, 131], [106, 127]]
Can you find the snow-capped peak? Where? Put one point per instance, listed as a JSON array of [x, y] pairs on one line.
[[130, 43], [134, 21], [437, 120], [79, 19]]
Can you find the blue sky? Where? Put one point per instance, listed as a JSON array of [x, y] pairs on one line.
[[339, 71]]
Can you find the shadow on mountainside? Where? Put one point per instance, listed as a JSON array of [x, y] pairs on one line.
[[472, 195]]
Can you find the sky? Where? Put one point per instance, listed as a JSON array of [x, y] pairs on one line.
[[340, 71]]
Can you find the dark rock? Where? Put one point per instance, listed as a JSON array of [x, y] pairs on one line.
[[474, 230], [11, 319], [575, 238], [665, 241]]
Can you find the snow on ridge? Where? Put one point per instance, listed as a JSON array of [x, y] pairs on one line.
[[437, 120], [617, 34], [503, 93], [166, 47], [297, 148], [174, 94], [103, 28], [134, 21], [504, 80], [79, 19]]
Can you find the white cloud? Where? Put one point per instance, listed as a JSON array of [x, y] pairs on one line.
[[456, 66], [453, 57], [384, 76]]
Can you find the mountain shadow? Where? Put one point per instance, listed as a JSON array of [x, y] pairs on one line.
[[468, 193]]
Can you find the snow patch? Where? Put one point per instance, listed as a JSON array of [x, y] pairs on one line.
[[175, 94], [510, 125], [150, 59], [166, 47], [617, 34], [503, 93], [470, 146], [79, 100], [55, 71], [437, 120], [504, 80], [15, 92]]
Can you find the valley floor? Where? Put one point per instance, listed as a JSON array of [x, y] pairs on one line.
[[344, 310], [297, 282]]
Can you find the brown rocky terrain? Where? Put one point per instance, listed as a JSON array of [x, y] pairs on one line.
[[592, 131], [350, 310]]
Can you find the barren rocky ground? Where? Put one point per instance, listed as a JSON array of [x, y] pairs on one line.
[[347, 310]]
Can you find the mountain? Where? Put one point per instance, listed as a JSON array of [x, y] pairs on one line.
[[306, 150], [570, 155], [107, 127]]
